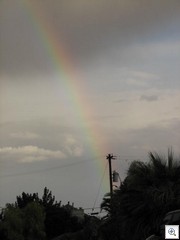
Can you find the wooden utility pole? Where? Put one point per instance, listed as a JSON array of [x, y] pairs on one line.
[[109, 157]]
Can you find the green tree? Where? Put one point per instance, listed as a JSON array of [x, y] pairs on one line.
[[23, 224], [12, 224], [25, 199], [147, 193], [48, 200], [33, 218]]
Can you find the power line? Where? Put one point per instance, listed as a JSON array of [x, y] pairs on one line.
[[69, 165], [99, 187], [47, 169], [130, 157]]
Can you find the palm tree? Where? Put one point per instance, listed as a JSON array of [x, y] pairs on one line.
[[147, 193]]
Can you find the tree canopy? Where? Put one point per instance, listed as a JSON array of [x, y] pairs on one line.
[[149, 191], [32, 217]]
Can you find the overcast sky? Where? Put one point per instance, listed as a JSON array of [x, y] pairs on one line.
[[121, 94]]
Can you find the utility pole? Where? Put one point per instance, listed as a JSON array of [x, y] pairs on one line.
[[109, 157]]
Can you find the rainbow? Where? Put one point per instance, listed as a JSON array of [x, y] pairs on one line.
[[63, 63]]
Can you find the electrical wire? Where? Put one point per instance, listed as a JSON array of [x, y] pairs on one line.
[[63, 166], [46, 169], [99, 187]]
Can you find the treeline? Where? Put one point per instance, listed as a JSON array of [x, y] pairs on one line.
[[31, 218], [135, 211]]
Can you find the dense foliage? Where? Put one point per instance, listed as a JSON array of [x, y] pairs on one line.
[[34, 218], [147, 193]]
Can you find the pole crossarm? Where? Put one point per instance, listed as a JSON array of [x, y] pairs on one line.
[[109, 157]]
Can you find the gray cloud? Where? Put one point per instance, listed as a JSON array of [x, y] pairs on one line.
[[156, 137], [29, 154], [37, 135], [149, 98], [120, 100], [87, 27], [24, 135]]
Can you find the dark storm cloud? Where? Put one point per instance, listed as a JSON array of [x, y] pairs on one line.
[[87, 27]]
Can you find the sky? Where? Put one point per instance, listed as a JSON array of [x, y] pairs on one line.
[[79, 80]]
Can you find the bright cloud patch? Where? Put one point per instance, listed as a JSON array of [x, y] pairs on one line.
[[73, 146], [29, 154]]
